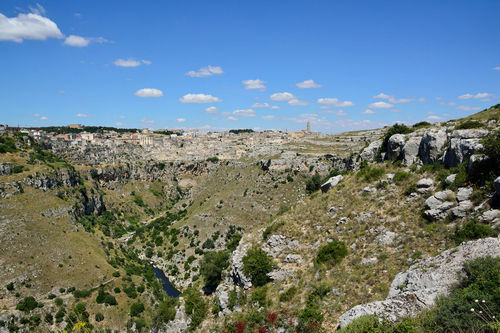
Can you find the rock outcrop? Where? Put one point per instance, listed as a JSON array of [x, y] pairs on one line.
[[419, 287], [236, 261], [332, 182], [395, 147], [431, 145], [410, 151]]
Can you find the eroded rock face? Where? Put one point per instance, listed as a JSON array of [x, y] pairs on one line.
[[395, 147], [410, 151], [459, 150], [370, 152], [180, 323], [431, 145], [5, 169], [419, 287], [236, 260]]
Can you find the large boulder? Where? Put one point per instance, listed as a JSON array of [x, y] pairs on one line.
[[438, 205], [420, 286], [395, 147], [410, 151], [431, 145], [460, 150], [332, 182], [370, 153]]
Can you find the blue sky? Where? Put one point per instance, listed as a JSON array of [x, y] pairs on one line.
[[342, 65]]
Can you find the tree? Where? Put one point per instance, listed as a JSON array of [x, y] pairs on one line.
[[196, 308], [166, 311], [313, 184], [27, 304], [256, 265], [136, 309], [211, 267]]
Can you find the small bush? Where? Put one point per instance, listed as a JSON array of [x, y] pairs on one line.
[[27, 304], [288, 294], [473, 230], [401, 176], [213, 159], [211, 267], [331, 253], [166, 311], [136, 309], [259, 296], [421, 124], [411, 189], [256, 265], [469, 124], [370, 173], [195, 306], [313, 184]]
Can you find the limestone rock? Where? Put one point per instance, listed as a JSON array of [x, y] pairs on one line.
[[370, 152], [236, 260], [419, 287], [410, 151], [425, 183], [459, 150], [450, 179], [332, 182], [395, 146], [464, 193], [431, 145]]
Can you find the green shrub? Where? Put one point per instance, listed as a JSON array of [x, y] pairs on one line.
[[288, 294], [332, 253], [272, 228], [401, 176], [208, 244], [49, 319], [421, 124], [473, 230], [370, 173], [411, 189], [10, 286], [311, 316], [259, 296], [256, 265], [27, 304], [213, 159], [81, 293], [195, 306], [469, 124], [211, 267], [313, 184], [99, 317], [166, 311], [136, 309]]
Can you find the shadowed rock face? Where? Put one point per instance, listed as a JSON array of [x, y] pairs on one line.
[[419, 287]]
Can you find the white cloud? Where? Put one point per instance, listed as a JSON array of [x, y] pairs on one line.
[[62, 92], [82, 115], [211, 110], [28, 26], [119, 124], [468, 108], [231, 118], [76, 41], [38, 9], [244, 113], [496, 68], [126, 63], [340, 113], [368, 111], [422, 100], [44, 118], [269, 117], [149, 92], [265, 105], [206, 71], [199, 98], [401, 100], [434, 118], [383, 96], [284, 96], [478, 95], [181, 120], [335, 102], [147, 121], [296, 102], [254, 84], [146, 62], [380, 105], [308, 84]]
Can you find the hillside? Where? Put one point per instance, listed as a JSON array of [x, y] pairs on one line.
[[84, 239]]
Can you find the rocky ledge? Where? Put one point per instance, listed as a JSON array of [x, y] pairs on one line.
[[419, 287]]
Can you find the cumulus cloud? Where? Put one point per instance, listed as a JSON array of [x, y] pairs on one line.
[[206, 71], [476, 96], [149, 92], [76, 41], [269, 117], [82, 115], [282, 96], [368, 111], [297, 102], [308, 84], [43, 118], [254, 84], [244, 113], [28, 26], [211, 110], [380, 105], [422, 100], [181, 120], [434, 118], [383, 96], [147, 121], [468, 108], [126, 63], [231, 118], [265, 105], [146, 62], [339, 113], [199, 98], [401, 100], [335, 102], [496, 68]]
